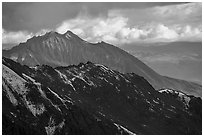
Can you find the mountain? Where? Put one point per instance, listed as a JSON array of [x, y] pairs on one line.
[[91, 98], [189, 68], [56, 49], [30, 107]]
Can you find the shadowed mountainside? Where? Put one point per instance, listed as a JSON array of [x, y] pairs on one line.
[[92, 99]]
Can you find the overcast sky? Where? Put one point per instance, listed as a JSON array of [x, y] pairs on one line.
[[135, 27]]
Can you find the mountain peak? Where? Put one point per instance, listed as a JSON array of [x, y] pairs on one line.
[[51, 34], [69, 34], [56, 49]]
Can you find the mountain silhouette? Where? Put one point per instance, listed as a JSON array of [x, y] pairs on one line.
[[56, 49]]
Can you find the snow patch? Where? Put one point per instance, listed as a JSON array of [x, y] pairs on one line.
[[147, 101], [155, 102], [124, 78], [80, 76], [18, 85], [13, 114], [17, 82], [102, 114], [65, 79], [69, 99], [117, 89], [9, 94], [68, 35], [56, 95], [14, 58], [123, 128], [37, 84], [102, 67], [51, 128], [182, 96], [35, 109], [62, 100], [117, 77], [23, 58]]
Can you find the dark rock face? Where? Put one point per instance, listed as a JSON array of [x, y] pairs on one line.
[[54, 49], [92, 99]]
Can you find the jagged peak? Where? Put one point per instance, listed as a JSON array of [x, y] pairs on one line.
[[102, 42], [70, 35], [51, 33], [69, 32]]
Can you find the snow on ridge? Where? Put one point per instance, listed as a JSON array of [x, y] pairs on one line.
[[123, 128], [35, 109], [126, 80], [68, 36], [26, 76], [65, 79], [43, 94], [18, 84], [104, 68], [14, 58], [102, 78], [56, 94], [155, 101], [62, 100], [37, 84], [69, 99], [80, 76], [11, 97], [180, 94]]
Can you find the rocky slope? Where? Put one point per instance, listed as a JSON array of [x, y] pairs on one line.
[[91, 99], [54, 49]]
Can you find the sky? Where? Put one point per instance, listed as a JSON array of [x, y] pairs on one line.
[[166, 36]]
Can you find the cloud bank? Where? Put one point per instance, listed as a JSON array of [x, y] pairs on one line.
[[182, 22], [166, 24], [16, 37]]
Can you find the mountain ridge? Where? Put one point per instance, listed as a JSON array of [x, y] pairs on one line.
[[91, 98], [56, 49]]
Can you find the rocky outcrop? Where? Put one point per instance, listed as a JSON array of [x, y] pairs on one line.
[[91, 99]]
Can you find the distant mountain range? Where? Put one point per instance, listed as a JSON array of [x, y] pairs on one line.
[[89, 98], [56, 49]]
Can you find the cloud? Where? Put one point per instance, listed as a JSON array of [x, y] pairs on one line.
[[15, 37], [181, 22], [181, 13], [12, 37], [94, 29], [116, 30], [169, 14], [42, 32], [33, 16]]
